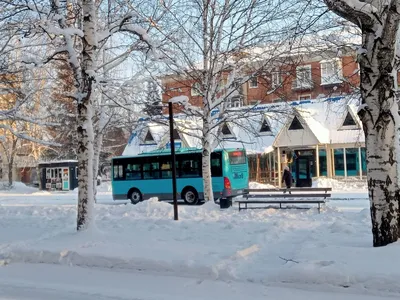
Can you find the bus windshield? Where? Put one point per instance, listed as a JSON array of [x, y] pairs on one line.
[[237, 157]]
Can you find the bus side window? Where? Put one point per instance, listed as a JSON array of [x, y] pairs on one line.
[[166, 168], [190, 166], [118, 171], [133, 171], [151, 169]]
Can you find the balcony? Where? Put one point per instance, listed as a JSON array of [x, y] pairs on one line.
[[332, 80], [299, 85]]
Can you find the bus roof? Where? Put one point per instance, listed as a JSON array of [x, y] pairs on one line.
[[177, 151]]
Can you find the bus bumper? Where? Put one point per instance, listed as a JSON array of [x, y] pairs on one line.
[[232, 192], [119, 197]]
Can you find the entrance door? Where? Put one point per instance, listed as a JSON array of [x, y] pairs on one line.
[[65, 179], [303, 174], [43, 179]]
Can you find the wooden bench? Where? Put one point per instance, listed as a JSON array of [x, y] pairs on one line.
[[280, 194]]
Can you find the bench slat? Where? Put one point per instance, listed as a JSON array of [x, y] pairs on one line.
[[280, 202], [283, 201], [287, 195], [291, 189]]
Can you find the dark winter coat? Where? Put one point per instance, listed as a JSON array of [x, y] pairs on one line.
[[287, 178]]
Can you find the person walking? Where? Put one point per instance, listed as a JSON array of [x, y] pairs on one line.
[[287, 178]]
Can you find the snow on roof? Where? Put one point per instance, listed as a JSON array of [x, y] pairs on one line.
[[190, 131], [323, 117], [58, 161], [246, 132], [137, 143], [320, 132]]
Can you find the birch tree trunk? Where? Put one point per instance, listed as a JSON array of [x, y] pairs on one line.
[[10, 171], [98, 142], [206, 136], [206, 159], [85, 125], [380, 128], [13, 153], [379, 110]]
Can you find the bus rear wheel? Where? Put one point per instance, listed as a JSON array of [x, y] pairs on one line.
[[190, 196], [135, 196]]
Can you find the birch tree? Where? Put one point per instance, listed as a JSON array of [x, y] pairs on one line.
[[378, 22], [78, 41], [153, 100], [22, 117], [214, 47]]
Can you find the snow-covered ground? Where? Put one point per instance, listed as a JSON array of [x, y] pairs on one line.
[[50, 282], [209, 253]]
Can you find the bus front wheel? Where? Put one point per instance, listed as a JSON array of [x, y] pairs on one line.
[[190, 196], [135, 196]]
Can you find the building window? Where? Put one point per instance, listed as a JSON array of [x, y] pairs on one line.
[[348, 162], [221, 84], [323, 170], [254, 102], [149, 138], [265, 128], [305, 97], [227, 132], [339, 162], [303, 77], [235, 102], [331, 71], [278, 100], [352, 162], [295, 125], [176, 135], [276, 79], [196, 89], [363, 161], [349, 121], [253, 83]]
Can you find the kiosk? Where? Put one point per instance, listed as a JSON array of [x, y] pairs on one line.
[[58, 175]]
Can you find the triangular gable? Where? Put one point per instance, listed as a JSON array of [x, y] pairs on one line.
[[176, 134], [265, 128], [296, 124], [144, 138], [290, 137], [227, 132], [349, 122], [246, 133], [149, 138]]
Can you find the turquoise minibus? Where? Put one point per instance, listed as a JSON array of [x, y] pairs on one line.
[[149, 174]]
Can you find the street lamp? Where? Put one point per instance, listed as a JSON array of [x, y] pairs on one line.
[[178, 100]]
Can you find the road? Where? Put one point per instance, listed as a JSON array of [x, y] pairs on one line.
[[49, 282]]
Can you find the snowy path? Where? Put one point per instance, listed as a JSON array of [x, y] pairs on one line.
[[46, 282], [236, 255]]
